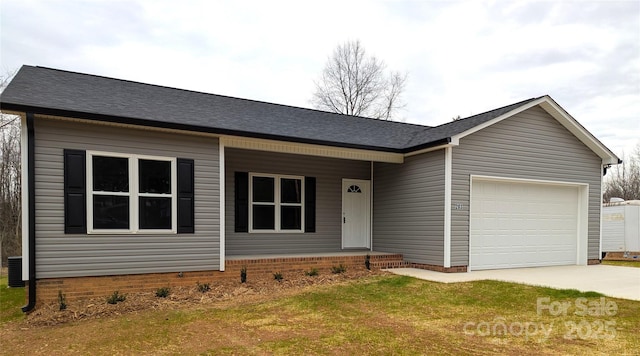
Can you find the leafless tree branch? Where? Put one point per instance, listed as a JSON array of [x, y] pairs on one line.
[[623, 180], [10, 184], [354, 83]]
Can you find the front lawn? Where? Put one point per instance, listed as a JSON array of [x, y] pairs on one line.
[[374, 315], [11, 299], [622, 263]]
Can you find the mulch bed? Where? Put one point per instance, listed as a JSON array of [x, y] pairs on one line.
[[622, 256], [226, 293]]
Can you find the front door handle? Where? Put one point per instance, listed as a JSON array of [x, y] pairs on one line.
[[344, 220]]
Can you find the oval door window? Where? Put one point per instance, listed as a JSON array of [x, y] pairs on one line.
[[354, 189]]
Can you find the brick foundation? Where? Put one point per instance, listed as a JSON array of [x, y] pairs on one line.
[[593, 262], [88, 287], [452, 269]]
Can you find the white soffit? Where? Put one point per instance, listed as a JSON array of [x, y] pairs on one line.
[[311, 149]]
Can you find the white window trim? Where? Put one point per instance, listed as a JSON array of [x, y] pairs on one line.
[[277, 178], [133, 194]]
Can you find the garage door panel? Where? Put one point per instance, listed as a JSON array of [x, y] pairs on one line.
[[514, 224]]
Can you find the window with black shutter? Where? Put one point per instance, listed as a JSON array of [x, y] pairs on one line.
[[274, 203], [127, 193]]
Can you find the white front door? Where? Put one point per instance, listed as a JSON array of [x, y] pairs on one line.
[[356, 213]]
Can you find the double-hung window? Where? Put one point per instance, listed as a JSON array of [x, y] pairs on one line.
[[276, 203], [130, 193]]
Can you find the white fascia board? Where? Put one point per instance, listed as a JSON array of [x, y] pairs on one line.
[[456, 138], [311, 149], [566, 120], [430, 149], [571, 124]]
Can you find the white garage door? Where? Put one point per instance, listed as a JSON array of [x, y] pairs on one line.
[[515, 224]]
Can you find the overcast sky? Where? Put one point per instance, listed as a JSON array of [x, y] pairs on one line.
[[462, 57]]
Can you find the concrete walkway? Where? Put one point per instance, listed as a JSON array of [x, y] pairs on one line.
[[612, 281]]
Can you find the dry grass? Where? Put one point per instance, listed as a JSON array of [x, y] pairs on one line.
[[377, 314], [11, 299], [628, 263]]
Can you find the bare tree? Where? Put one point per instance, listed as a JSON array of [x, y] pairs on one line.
[[10, 184], [354, 83], [624, 179]]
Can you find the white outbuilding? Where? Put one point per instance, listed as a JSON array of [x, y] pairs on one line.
[[621, 226]]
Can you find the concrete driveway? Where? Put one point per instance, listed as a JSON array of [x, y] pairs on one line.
[[612, 281]]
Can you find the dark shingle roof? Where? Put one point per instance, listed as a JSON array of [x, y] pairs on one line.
[[63, 93], [449, 129]]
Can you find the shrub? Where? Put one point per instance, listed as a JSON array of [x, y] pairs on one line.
[[205, 287], [278, 276], [62, 300], [162, 292], [243, 274], [116, 297], [338, 269], [312, 272], [367, 261]]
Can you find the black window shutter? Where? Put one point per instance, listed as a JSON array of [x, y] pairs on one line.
[[75, 192], [309, 204], [186, 196], [242, 202]]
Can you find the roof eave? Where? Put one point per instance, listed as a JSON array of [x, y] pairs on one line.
[[426, 147], [19, 108], [558, 113], [565, 119]]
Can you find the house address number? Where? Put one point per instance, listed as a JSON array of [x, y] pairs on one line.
[[458, 206]]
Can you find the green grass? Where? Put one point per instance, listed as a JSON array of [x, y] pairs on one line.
[[622, 263], [378, 315], [11, 299]]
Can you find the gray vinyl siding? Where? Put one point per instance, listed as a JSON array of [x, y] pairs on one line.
[[69, 255], [408, 214], [329, 173], [529, 145]]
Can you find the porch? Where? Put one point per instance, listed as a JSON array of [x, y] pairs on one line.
[[257, 266], [301, 262]]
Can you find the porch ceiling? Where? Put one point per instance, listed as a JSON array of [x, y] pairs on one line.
[[315, 254], [310, 149]]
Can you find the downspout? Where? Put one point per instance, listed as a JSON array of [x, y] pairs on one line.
[[31, 206]]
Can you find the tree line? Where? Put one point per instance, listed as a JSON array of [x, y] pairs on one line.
[[623, 180], [10, 183]]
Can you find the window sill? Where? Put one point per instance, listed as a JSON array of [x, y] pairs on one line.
[[276, 231], [131, 232]]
